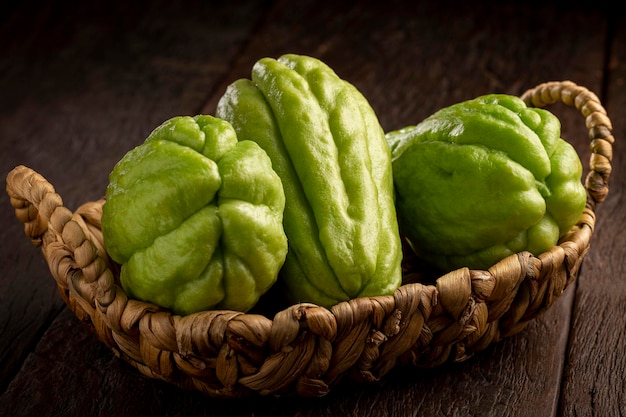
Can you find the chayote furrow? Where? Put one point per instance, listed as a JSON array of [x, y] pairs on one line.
[[329, 150]]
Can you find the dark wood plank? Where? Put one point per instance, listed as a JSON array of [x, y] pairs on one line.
[[80, 87], [594, 381], [412, 59], [409, 60]]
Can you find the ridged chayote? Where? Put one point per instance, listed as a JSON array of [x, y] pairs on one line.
[[194, 217], [328, 148], [483, 179]]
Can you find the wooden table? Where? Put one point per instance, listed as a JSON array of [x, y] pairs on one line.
[[82, 85]]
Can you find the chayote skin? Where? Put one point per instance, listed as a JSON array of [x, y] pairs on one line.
[[484, 179], [194, 217], [328, 148]]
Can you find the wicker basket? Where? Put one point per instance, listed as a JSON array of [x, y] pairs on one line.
[[305, 349]]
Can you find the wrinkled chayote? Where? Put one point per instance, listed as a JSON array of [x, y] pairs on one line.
[[194, 217], [484, 179], [328, 148]]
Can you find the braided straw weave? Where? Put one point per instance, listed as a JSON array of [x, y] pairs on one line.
[[305, 349]]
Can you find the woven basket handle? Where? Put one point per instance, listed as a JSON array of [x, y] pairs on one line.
[[36, 203], [596, 121], [72, 242]]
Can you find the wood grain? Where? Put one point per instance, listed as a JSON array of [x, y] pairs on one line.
[[594, 382]]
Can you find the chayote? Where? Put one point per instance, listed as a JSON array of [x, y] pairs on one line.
[[483, 179], [328, 148], [194, 217]]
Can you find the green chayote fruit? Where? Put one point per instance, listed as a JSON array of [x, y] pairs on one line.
[[328, 148], [484, 179], [194, 217]]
